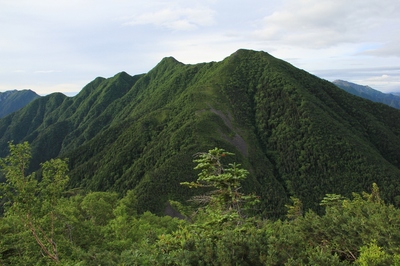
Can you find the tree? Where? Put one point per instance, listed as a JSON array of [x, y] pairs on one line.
[[33, 203], [295, 210], [226, 198], [221, 233], [373, 255]]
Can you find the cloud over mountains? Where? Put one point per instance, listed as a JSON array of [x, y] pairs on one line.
[[99, 38]]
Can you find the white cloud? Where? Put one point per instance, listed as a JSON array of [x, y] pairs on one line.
[[319, 24], [46, 71], [384, 83], [176, 18], [391, 48], [85, 39]]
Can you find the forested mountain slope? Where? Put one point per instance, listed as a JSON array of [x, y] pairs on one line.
[[296, 134], [369, 93], [11, 101]]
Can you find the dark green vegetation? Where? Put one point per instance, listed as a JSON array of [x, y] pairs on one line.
[[296, 134], [369, 93], [11, 101], [44, 224]]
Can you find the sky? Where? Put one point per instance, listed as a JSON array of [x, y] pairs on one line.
[[60, 46]]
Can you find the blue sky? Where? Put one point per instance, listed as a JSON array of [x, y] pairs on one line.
[[60, 46]]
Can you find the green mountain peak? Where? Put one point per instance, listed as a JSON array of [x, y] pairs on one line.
[[298, 135]]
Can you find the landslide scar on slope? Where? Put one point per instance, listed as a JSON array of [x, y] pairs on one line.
[[237, 140]]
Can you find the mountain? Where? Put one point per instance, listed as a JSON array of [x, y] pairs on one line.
[[298, 135], [11, 101], [369, 93]]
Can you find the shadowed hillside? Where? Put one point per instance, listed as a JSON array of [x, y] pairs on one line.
[[11, 101], [297, 134], [369, 93]]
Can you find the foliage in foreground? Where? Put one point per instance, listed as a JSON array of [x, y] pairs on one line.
[[43, 224]]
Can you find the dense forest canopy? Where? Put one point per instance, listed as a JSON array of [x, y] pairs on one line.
[[297, 135], [45, 223]]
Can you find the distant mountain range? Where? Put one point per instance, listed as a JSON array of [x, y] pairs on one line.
[[366, 92], [298, 135], [11, 101]]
